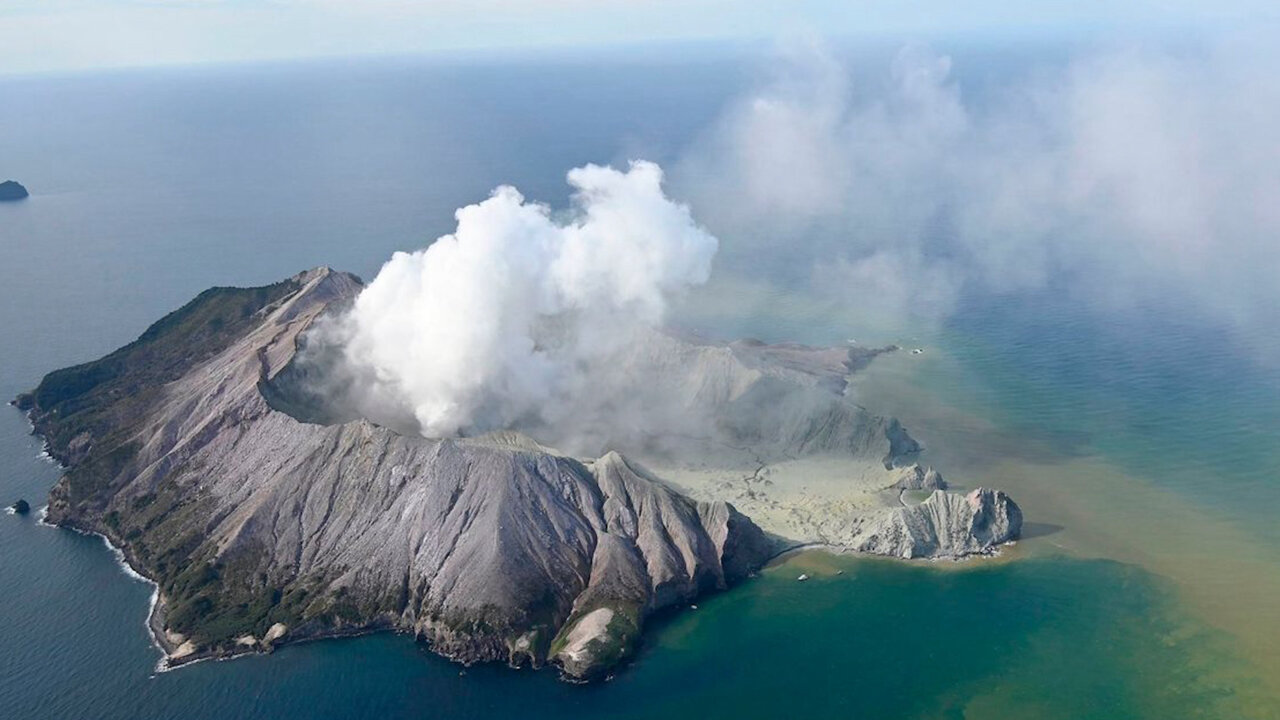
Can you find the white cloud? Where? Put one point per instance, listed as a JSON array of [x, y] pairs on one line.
[[1138, 177], [61, 35], [496, 324]]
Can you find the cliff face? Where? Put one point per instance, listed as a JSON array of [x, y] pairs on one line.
[[185, 449], [254, 523], [946, 524]]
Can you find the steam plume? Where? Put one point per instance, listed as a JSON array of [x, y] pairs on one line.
[[489, 327], [1134, 178]]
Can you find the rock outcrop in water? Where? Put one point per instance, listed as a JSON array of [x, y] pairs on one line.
[[946, 524], [196, 451], [12, 190]]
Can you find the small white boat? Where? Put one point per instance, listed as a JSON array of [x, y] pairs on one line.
[[802, 577]]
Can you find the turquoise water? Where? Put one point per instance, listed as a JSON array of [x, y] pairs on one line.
[[149, 187]]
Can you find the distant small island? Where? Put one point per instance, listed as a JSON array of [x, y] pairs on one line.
[[12, 190]]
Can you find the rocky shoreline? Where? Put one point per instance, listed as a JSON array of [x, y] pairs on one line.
[[171, 646]]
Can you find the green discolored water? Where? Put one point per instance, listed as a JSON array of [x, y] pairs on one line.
[[998, 640]]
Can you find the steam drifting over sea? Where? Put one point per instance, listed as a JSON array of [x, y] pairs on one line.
[[1130, 177]]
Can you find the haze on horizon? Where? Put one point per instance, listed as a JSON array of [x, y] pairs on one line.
[[42, 36], [1138, 170]]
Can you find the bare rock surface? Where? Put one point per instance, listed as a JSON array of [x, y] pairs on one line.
[[914, 477], [946, 524]]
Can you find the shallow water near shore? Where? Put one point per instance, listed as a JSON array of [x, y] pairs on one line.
[[1139, 452]]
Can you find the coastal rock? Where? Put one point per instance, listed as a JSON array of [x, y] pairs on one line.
[[588, 640], [12, 190], [274, 633], [658, 549], [947, 524], [22, 507], [914, 477], [184, 651]]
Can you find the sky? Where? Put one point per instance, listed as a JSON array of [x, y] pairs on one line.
[[40, 36]]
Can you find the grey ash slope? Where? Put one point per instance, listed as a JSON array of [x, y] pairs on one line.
[[259, 528], [249, 520]]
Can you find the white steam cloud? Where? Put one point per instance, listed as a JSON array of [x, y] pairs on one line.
[[490, 327], [1132, 178]]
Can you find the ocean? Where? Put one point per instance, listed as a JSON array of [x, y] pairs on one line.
[[1140, 446]]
